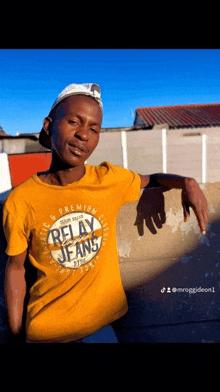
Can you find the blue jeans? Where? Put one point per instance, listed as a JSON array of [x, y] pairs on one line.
[[103, 335]]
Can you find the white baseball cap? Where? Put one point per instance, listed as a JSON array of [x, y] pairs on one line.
[[90, 89]]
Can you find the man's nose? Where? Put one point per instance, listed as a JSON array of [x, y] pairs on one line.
[[82, 133]]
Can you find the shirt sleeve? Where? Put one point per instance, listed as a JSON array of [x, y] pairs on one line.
[[128, 183], [16, 228], [131, 187]]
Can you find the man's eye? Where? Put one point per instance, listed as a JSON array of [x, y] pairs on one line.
[[94, 130], [72, 122]]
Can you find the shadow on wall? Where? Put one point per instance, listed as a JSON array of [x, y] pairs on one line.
[[182, 304], [151, 211]]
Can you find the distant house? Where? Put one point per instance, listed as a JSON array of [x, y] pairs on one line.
[[20, 144], [182, 116], [2, 133], [185, 127]]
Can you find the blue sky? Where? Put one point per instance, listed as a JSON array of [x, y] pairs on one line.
[[30, 80]]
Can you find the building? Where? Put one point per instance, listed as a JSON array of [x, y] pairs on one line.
[[20, 144], [192, 138], [182, 116]]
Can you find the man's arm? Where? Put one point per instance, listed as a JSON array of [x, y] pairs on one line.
[[15, 291], [192, 195]]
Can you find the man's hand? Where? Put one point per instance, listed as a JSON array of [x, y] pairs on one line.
[[192, 196]]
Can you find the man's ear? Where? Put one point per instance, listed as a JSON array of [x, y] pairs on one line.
[[46, 125]]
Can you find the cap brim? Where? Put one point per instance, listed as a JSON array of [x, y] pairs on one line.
[[44, 139]]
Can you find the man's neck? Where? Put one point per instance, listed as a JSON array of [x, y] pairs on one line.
[[62, 175], [65, 177]]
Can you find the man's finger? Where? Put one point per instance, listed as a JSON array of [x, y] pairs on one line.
[[201, 220], [205, 215], [186, 212]]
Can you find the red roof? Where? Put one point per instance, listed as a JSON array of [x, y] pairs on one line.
[[180, 116]]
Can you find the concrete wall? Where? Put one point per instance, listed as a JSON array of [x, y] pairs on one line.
[[108, 149], [151, 233], [184, 153], [20, 145], [144, 151]]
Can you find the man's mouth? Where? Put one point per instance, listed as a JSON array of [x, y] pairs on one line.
[[77, 150]]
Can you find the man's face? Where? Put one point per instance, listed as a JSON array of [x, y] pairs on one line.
[[75, 129]]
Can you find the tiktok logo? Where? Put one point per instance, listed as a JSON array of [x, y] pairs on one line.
[[163, 290]]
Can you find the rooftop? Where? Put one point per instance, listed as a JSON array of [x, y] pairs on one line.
[[179, 116]]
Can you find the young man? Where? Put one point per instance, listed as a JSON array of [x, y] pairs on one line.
[[65, 219]]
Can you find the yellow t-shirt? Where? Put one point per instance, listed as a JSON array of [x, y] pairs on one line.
[[70, 232]]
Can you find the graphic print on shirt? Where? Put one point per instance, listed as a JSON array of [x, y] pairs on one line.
[[75, 239]]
